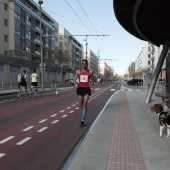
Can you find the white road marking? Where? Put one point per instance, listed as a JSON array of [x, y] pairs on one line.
[[2, 154], [71, 111], [53, 115], [130, 90], [112, 89], [64, 116], [42, 129], [73, 104], [42, 121], [96, 89], [23, 141], [55, 121], [68, 107], [62, 111], [28, 128], [7, 139], [77, 108]]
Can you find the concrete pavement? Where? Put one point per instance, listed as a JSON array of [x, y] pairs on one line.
[[125, 136]]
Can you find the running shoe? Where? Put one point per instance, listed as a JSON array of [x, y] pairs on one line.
[[82, 122]]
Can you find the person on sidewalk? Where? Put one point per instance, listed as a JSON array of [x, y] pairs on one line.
[[83, 75], [34, 82], [22, 83]]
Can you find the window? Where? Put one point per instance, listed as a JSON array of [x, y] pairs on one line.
[[17, 42], [28, 20], [5, 38], [17, 27], [28, 46], [17, 12], [5, 6], [28, 33], [5, 53], [5, 22]]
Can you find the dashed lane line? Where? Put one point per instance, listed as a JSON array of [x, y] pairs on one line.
[[42, 129], [55, 121], [62, 111], [42, 121], [2, 154], [23, 141], [7, 139], [28, 128], [53, 115], [64, 116], [68, 108], [71, 111]]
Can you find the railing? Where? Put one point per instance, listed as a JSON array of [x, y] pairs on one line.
[[160, 87]]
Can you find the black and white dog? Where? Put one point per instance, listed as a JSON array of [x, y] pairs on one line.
[[164, 118]]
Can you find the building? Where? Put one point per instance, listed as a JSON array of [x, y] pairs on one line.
[[93, 61], [73, 54], [21, 48]]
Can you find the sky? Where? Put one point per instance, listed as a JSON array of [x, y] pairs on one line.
[[96, 17]]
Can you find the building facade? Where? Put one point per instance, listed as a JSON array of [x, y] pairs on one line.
[[21, 48]]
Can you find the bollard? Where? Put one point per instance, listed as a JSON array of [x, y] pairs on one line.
[[119, 85], [56, 93]]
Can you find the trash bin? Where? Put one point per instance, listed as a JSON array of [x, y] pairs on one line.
[[119, 85], [55, 86]]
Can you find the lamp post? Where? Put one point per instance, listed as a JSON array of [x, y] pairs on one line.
[[86, 46], [98, 64], [40, 2]]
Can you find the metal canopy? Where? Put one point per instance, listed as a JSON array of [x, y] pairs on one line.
[[145, 19]]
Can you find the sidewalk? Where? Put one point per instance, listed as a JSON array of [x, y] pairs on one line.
[[124, 137]]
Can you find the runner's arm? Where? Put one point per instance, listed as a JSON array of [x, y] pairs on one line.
[[75, 77]]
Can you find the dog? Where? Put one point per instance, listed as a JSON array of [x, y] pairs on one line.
[[164, 118]]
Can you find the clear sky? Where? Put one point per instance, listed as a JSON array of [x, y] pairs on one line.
[[96, 17]]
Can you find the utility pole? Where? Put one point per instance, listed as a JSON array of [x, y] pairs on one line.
[[41, 50], [91, 36]]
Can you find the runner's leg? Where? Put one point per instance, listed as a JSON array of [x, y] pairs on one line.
[[84, 112], [80, 101]]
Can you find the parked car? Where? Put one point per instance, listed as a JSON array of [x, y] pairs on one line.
[[140, 82], [133, 82]]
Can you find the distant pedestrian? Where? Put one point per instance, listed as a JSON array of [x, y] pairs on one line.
[[34, 82], [22, 82], [83, 90]]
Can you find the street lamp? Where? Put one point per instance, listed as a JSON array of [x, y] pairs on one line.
[[40, 2], [86, 46]]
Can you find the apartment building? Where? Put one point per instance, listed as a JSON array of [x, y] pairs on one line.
[[20, 45], [73, 53], [93, 61]]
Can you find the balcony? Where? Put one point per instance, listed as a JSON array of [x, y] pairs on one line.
[[37, 52], [37, 41]]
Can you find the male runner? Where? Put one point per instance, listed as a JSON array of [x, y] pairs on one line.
[[34, 82], [83, 87]]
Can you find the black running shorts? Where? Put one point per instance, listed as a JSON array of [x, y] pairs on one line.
[[82, 91], [34, 84]]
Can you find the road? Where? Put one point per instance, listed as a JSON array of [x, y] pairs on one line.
[[39, 133]]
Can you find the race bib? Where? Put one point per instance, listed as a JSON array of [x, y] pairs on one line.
[[83, 78]]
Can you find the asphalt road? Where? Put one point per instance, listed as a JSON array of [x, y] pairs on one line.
[[39, 133]]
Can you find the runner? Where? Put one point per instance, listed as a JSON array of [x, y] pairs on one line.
[[83, 87], [34, 82], [22, 83]]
